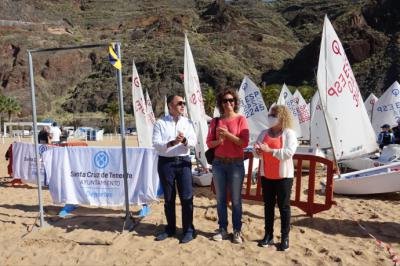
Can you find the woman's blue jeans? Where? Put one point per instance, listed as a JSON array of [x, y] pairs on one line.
[[228, 177]]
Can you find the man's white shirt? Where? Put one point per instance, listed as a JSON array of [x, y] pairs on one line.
[[55, 133], [166, 130]]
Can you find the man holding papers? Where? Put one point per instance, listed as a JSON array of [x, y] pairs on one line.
[[173, 136]]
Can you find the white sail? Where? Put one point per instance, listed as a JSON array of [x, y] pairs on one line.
[[149, 111], [195, 103], [272, 105], [347, 119], [185, 111], [144, 126], [252, 106], [303, 114], [216, 112], [369, 105], [387, 108], [319, 132], [286, 98], [166, 112]]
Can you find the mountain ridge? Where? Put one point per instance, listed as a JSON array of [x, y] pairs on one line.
[[271, 43]]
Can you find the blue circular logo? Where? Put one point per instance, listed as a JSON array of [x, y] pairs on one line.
[[245, 85], [42, 148], [395, 92], [101, 159]]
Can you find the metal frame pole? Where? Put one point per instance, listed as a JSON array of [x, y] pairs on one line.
[[128, 225], [34, 117], [324, 108], [35, 139]]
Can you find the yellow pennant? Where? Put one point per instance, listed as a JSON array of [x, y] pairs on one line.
[[114, 57]]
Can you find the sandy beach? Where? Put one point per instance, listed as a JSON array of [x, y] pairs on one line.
[[92, 236]]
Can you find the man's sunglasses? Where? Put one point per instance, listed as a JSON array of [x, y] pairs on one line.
[[181, 103], [231, 100]]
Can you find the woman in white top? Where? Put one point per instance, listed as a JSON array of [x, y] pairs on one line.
[[276, 147]]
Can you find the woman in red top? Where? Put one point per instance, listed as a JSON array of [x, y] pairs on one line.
[[232, 135], [276, 147]]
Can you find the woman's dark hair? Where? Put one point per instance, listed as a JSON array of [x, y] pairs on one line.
[[221, 96]]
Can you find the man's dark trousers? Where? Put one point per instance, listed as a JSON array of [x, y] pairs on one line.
[[177, 169]]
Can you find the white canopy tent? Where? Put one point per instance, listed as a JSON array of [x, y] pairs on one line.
[[23, 125]]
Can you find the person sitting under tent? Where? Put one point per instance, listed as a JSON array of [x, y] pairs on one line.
[[385, 137], [396, 132]]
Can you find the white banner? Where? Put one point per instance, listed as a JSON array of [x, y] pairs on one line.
[[24, 164], [252, 106], [94, 175]]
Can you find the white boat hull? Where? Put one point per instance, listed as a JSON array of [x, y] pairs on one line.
[[361, 163], [382, 179], [202, 179]]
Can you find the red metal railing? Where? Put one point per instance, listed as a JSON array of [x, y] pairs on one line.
[[310, 207]]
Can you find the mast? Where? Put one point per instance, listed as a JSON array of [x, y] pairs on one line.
[[326, 100]]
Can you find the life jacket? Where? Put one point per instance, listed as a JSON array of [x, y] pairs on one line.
[[387, 138]]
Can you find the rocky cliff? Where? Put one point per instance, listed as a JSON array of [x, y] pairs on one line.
[[270, 41]]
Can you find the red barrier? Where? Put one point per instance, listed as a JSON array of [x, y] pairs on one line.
[[309, 206], [76, 143], [9, 157]]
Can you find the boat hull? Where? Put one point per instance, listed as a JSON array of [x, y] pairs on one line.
[[383, 179]]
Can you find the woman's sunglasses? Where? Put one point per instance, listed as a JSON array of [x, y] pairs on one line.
[[231, 100], [272, 115]]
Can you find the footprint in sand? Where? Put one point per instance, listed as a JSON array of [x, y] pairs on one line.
[[324, 251], [308, 252], [374, 216], [358, 252], [335, 259]]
